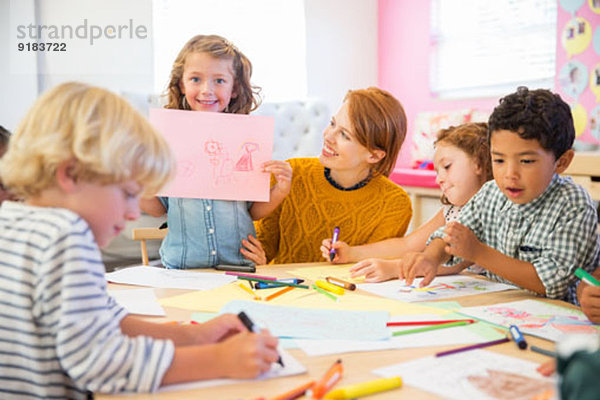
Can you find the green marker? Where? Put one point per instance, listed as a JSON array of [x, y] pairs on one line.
[[586, 277], [325, 292], [432, 328]]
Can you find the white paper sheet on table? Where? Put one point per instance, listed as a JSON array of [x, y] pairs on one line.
[[169, 278], [296, 322], [442, 287], [538, 318], [138, 301], [292, 367], [476, 374], [442, 337]]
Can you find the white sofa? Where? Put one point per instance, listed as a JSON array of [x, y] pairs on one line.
[[299, 127]]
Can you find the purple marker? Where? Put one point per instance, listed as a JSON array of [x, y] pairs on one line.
[[336, 233]]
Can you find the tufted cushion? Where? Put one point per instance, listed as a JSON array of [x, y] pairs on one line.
[[299, 127]]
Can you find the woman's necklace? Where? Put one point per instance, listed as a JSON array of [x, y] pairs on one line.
[[353, 187]]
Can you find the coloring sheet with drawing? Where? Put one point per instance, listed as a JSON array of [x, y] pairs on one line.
[[292, 367], [476, 374], [537, 318], [219, 155], [441, 287]]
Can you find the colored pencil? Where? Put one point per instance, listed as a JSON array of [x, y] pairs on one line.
[[409, 323], [543, 351], [325, 292], [266, 278], [473, 347], [278, 293], [247, 290], [432, 328], [247, 278]]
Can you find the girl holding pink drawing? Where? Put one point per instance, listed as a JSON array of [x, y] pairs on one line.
[[463, 165], [211, 74]]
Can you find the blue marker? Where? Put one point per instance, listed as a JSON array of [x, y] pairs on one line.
[[518, 337], [264, 285]]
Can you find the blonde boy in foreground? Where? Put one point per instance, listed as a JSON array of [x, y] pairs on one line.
[[80, 159], [529, 226]]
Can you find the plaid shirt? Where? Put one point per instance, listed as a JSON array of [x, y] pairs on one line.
[[556, 232]]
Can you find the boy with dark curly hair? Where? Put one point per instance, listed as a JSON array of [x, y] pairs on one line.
[[529, 226]]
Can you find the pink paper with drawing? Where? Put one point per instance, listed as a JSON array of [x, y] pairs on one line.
[[218, 155]]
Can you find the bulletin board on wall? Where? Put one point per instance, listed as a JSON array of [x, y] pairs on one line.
[[578, 67]]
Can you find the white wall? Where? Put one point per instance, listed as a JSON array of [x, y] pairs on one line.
[[341, 48]]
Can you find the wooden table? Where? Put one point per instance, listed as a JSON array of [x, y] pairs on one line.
[[357, 366]]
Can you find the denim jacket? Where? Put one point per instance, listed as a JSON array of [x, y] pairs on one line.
[[204, 233]]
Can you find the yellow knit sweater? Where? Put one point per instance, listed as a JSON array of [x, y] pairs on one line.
[[294, 231]]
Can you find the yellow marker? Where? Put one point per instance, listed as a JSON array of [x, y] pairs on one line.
[[364, 388], [247, 290], [329, 287]]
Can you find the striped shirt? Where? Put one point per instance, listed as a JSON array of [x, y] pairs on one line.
[[59, 330], [556, 232]]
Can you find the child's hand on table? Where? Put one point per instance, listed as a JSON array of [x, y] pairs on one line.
[[376, 270]]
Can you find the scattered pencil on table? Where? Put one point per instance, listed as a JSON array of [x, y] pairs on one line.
[[472, 347], [433, 327], [341, 283], [247, 278], [517, 337], [249, 291], [447, 321], [325, 292], [294, 393], [364, 388], [329, 287], [277, 283], [543, 351], [329, 379], [279, 293]]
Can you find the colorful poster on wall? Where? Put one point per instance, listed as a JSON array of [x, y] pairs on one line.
[[578, 78]]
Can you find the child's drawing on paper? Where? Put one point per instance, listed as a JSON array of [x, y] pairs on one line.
[[535, 318], [220, 162], [245, 161], [509, 386]]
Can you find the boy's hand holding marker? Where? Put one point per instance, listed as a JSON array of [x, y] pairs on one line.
[[342, 251], [588, 294]]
